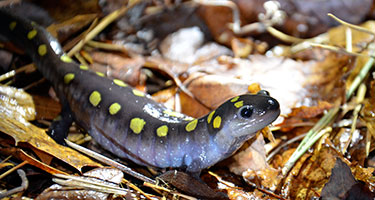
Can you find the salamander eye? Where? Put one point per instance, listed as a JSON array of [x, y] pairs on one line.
[[246, 111], [264, 92]]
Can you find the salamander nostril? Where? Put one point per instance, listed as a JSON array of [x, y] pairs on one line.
[[273, 104]]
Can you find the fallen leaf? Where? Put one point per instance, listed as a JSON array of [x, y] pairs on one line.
[[109, 177], [251, 159], [342, 185], [15, 111]]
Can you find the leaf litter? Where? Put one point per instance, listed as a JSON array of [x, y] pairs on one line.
[[195, 65]]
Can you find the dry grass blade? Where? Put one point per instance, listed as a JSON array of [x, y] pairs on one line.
[[320, 127]]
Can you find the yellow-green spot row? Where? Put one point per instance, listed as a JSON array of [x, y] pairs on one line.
[[209, 118], [100, 74], [137, 124], [114, 108], [191, 125], [234, 99], [238, 104], [162, 131], [83, 67], [32, 34], [42, 49], [66, 59], [68, 78], [138, 93], [119, 82], [95, 98], [217, 122], [12, 25]]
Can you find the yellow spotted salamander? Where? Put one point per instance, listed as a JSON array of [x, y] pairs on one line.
[[127, 122]]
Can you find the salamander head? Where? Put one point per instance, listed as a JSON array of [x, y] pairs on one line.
[[244, 116]]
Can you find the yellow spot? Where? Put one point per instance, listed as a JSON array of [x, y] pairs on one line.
[[138, 93], [12, 25], [162, 131], [234, 99], [209, 118], [191, 125], [217, 122], [66, 59], [83, 67], [32, 34], [100, 74], [114, 108], [137, 124], [42, 49], [238, 104], [119, 82], [68, 77], [95, 98]]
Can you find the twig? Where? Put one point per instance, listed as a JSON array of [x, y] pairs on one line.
[[282, 36], [13, 169], [274, 152], [106, 46], [110, 162], [352, 26], [339, 50], [90, 183], [358, 107], [101, 25], [24, 185]]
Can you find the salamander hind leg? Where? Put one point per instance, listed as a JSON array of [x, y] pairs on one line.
[[60, 125]]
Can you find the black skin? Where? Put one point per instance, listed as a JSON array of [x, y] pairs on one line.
[[59, 128]]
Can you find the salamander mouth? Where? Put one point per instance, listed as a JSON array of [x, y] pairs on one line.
[[270, 117], [261, 122]]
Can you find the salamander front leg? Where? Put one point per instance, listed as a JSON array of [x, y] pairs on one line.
[[61, 124]]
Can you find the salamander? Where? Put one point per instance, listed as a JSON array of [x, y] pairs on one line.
[[128, 122]]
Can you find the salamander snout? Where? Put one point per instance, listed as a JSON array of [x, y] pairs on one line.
[[271, 103]]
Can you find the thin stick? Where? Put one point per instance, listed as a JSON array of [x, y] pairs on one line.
[[282, 36], [352, 26], [102, 25], [110, 162], [13, 169]]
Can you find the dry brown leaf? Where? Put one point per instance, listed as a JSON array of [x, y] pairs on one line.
[[14, 123], [46, 108], [301, 116], [101, 176], [66, 29], [251, 159], [118, 66]]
